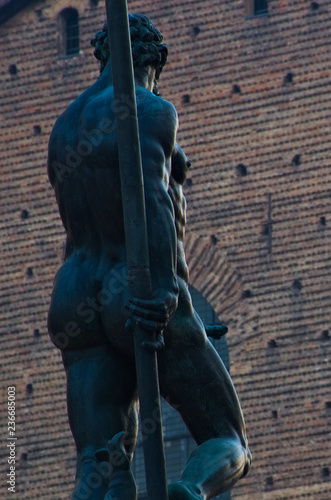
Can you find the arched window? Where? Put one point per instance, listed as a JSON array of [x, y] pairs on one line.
[[178, 444], [69, 32]]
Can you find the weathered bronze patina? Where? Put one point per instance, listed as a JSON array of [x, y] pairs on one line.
[[91, 309]]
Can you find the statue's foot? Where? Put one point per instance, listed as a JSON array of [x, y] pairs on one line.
[[121, 481], [212, 468], [180, 491]]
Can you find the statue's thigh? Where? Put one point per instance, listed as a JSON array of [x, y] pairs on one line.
[[101, 396]]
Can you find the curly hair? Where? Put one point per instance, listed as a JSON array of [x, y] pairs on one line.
[[146, 43]]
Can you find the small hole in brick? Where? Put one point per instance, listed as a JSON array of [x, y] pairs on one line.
[[314, 5], [241, 170], [36, 333], [325, 335], [213, 239], [236, 89], [325, 472], [269, 481], [29, 272], [12, 69], [247, 294], [29, 388], [296, 160], [94, 2], [272, 344], [274, 414], [265, 229], [323, 221], [297, 285], [196, 30], [24, 456], [39, 14], [37, 129], [24, 214], [288, 79], [328, 405], [189, 182], [186, 99]]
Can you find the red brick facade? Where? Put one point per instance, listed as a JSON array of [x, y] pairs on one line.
[[253, 97]]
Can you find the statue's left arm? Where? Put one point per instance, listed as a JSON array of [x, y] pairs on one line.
[[157, 129]]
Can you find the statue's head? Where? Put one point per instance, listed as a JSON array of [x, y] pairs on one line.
[[146, 43]]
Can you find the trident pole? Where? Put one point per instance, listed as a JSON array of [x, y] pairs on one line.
[[140, 284]]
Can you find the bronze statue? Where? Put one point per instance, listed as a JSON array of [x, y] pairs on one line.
[[90, 306]]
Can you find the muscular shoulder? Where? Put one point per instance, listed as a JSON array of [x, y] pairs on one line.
[[62, 135], [64, 123], [71, 117], [157, 119], [148, 102]]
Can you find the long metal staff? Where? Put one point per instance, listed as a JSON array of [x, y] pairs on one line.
[[140, 284]]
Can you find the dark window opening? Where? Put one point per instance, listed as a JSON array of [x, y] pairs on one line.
[[70, 32], [29, 272], [247, 294], [288, 78], [29, 388], [260, 7], [297, 285], [325, 336], [36, 333], [12, 69], [24, 214], [236, 89], [269, 482], [325, 473], [196, 30], [296, 160], [242, 170], [266, 229]]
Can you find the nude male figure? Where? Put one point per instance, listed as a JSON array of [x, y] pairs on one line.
[[90, 304]]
